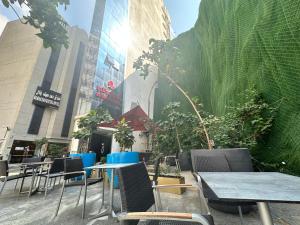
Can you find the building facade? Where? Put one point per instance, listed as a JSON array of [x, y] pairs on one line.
[[120, 32], [39, 89]]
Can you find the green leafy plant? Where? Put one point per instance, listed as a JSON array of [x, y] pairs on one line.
[[44, 16], [244, 125], [124, 135], [40, 142], [56, 150], [177, 132], [88, 124], [159, 55]]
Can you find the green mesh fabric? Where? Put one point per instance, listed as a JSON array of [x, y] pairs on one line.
[[237, 44]]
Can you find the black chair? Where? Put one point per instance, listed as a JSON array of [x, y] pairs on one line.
[[4, 174], [137, 197], [73, 170], [223, 160], [54, 171]]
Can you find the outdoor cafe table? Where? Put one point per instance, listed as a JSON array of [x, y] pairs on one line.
[[109, 211], [259, 187], [37, 167]]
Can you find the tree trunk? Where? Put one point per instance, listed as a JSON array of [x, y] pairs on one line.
[[195, 109], [178, 141]]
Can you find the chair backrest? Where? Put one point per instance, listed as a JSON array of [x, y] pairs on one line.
[[58, 165], [239, 159], [222, 160], [73, 165], [209, 161], [3, 168], [135, 188], [30, 160]]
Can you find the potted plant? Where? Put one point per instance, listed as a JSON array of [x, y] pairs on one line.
[[88, 125], [124, 135], [169, 175]]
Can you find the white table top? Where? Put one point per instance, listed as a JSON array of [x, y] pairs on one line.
[[110, 166], [253, 186]]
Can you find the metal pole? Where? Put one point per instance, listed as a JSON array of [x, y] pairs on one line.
[[264, 212], [110, 209]]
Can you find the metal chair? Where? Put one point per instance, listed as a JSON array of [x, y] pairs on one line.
[[223, 160], [4, 175], [73, 169], [54, 171], [137, 197]]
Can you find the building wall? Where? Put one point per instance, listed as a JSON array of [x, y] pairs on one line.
[[140, 91], [121, 29], [18, 56], [112, 50], [147, 19], [16, 109]]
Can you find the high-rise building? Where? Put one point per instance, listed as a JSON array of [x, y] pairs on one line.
[[147, 19], [120, 31], [39, 89]]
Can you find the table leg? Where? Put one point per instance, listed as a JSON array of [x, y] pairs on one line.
[[107, 211], [264, 212], [111, 197], [103, 190], [32, 182]]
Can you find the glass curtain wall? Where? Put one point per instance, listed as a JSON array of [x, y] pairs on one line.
[[109, 76]]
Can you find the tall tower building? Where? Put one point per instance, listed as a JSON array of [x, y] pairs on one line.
[[147, 19], [120, 31]]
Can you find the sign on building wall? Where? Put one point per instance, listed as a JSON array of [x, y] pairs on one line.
[[46, 98]]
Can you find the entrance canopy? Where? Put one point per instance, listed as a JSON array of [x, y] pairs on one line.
[[136, 119]]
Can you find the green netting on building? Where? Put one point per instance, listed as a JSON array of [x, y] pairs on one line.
[[237, 44]]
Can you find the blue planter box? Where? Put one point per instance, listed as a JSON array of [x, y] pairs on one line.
[[121, 157]]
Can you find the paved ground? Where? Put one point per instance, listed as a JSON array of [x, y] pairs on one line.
[[21, 210]]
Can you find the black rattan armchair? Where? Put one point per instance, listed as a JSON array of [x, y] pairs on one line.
[[137, 197]]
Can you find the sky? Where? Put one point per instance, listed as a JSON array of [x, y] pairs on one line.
[[183, 14]]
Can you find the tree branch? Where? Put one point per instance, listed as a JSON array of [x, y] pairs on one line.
[[15, 11], [194, 107]]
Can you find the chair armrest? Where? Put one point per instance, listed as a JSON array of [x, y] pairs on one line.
[[174, 186], [75, 172], [164, 216]]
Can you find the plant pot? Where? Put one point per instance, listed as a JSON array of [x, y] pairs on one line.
[[168, 179]]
